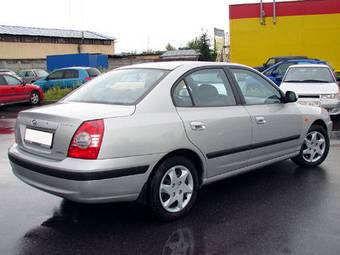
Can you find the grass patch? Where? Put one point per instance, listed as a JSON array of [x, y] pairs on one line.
[[56, 93]]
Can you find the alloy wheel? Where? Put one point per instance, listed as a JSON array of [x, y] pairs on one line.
[[176, 188], [34, 98], [314, 146]]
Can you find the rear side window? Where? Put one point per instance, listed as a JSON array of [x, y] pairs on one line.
[[271, 62], [71, 74], [93, 72], [56, 75], [204, 88]]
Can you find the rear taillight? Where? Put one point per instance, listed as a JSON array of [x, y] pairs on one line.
[[87, 79], [87, 140]]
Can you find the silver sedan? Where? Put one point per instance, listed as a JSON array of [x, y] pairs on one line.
[[158, 132]]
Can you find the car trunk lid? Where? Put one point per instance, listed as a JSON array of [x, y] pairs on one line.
[[47, 131]]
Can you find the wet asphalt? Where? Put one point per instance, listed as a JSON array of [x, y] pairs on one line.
[[279, 209]]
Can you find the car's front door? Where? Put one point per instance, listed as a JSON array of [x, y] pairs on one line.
[[5, 91], [19, 92], [55, 79], [214, 120], [277, 126]]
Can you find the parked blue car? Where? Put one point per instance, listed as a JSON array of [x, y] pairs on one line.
[[277, 71], [69, 77]]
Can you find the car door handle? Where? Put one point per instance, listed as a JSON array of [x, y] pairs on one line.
[[197, 126], [260, 120]]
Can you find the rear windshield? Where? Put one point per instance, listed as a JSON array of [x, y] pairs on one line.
[[124, 87], [93, 72], [309, 74]]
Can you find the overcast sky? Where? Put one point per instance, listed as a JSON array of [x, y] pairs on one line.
[[137, 25]]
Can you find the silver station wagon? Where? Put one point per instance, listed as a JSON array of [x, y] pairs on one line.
[[158, 132]]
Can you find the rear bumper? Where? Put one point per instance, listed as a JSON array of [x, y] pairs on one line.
[[87, 181]]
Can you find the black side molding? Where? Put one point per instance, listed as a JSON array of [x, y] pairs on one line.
[[251, 146], [76, 176]]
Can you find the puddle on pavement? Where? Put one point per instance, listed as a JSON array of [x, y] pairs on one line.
[[7, 126]]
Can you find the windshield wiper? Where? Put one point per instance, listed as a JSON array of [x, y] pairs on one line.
[[320, 81], [292, 81]]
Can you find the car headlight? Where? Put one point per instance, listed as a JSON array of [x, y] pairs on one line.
[[329, 96]]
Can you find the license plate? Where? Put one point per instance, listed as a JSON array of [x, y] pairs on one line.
[[310, 103], [38, 137]]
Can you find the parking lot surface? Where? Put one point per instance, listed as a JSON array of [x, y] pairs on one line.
[[279, 209]]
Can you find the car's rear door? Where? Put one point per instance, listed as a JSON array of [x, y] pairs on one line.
[[277, 126], [213, 118], [71, 78]]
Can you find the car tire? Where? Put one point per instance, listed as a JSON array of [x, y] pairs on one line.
[[314, 149], [173, 188], [34, 98]]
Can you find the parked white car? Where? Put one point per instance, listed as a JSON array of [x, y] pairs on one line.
[[315, 85]]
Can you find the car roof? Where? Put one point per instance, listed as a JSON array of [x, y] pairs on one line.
[[310, 65], [289, 57], [171, 65], [32, 69], [312, 61], [74, 67], [303, 60]]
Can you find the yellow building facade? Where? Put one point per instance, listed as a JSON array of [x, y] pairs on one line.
[[304, 28]]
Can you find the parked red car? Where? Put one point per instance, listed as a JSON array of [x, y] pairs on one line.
[[14, 90]]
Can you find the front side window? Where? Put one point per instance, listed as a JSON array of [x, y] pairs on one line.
[[124, 87], [203, 88], [309, 74], [11, 80], [29, 74], [2, 80], [254, 88], [56, 75], [281, 70]]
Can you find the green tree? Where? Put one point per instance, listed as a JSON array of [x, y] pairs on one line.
[[202, 44], [169, 47]]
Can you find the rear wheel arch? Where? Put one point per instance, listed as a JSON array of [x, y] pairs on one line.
[[188, 154]]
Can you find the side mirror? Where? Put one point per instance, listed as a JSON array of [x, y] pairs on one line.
[[290, 97], [23, 83]]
